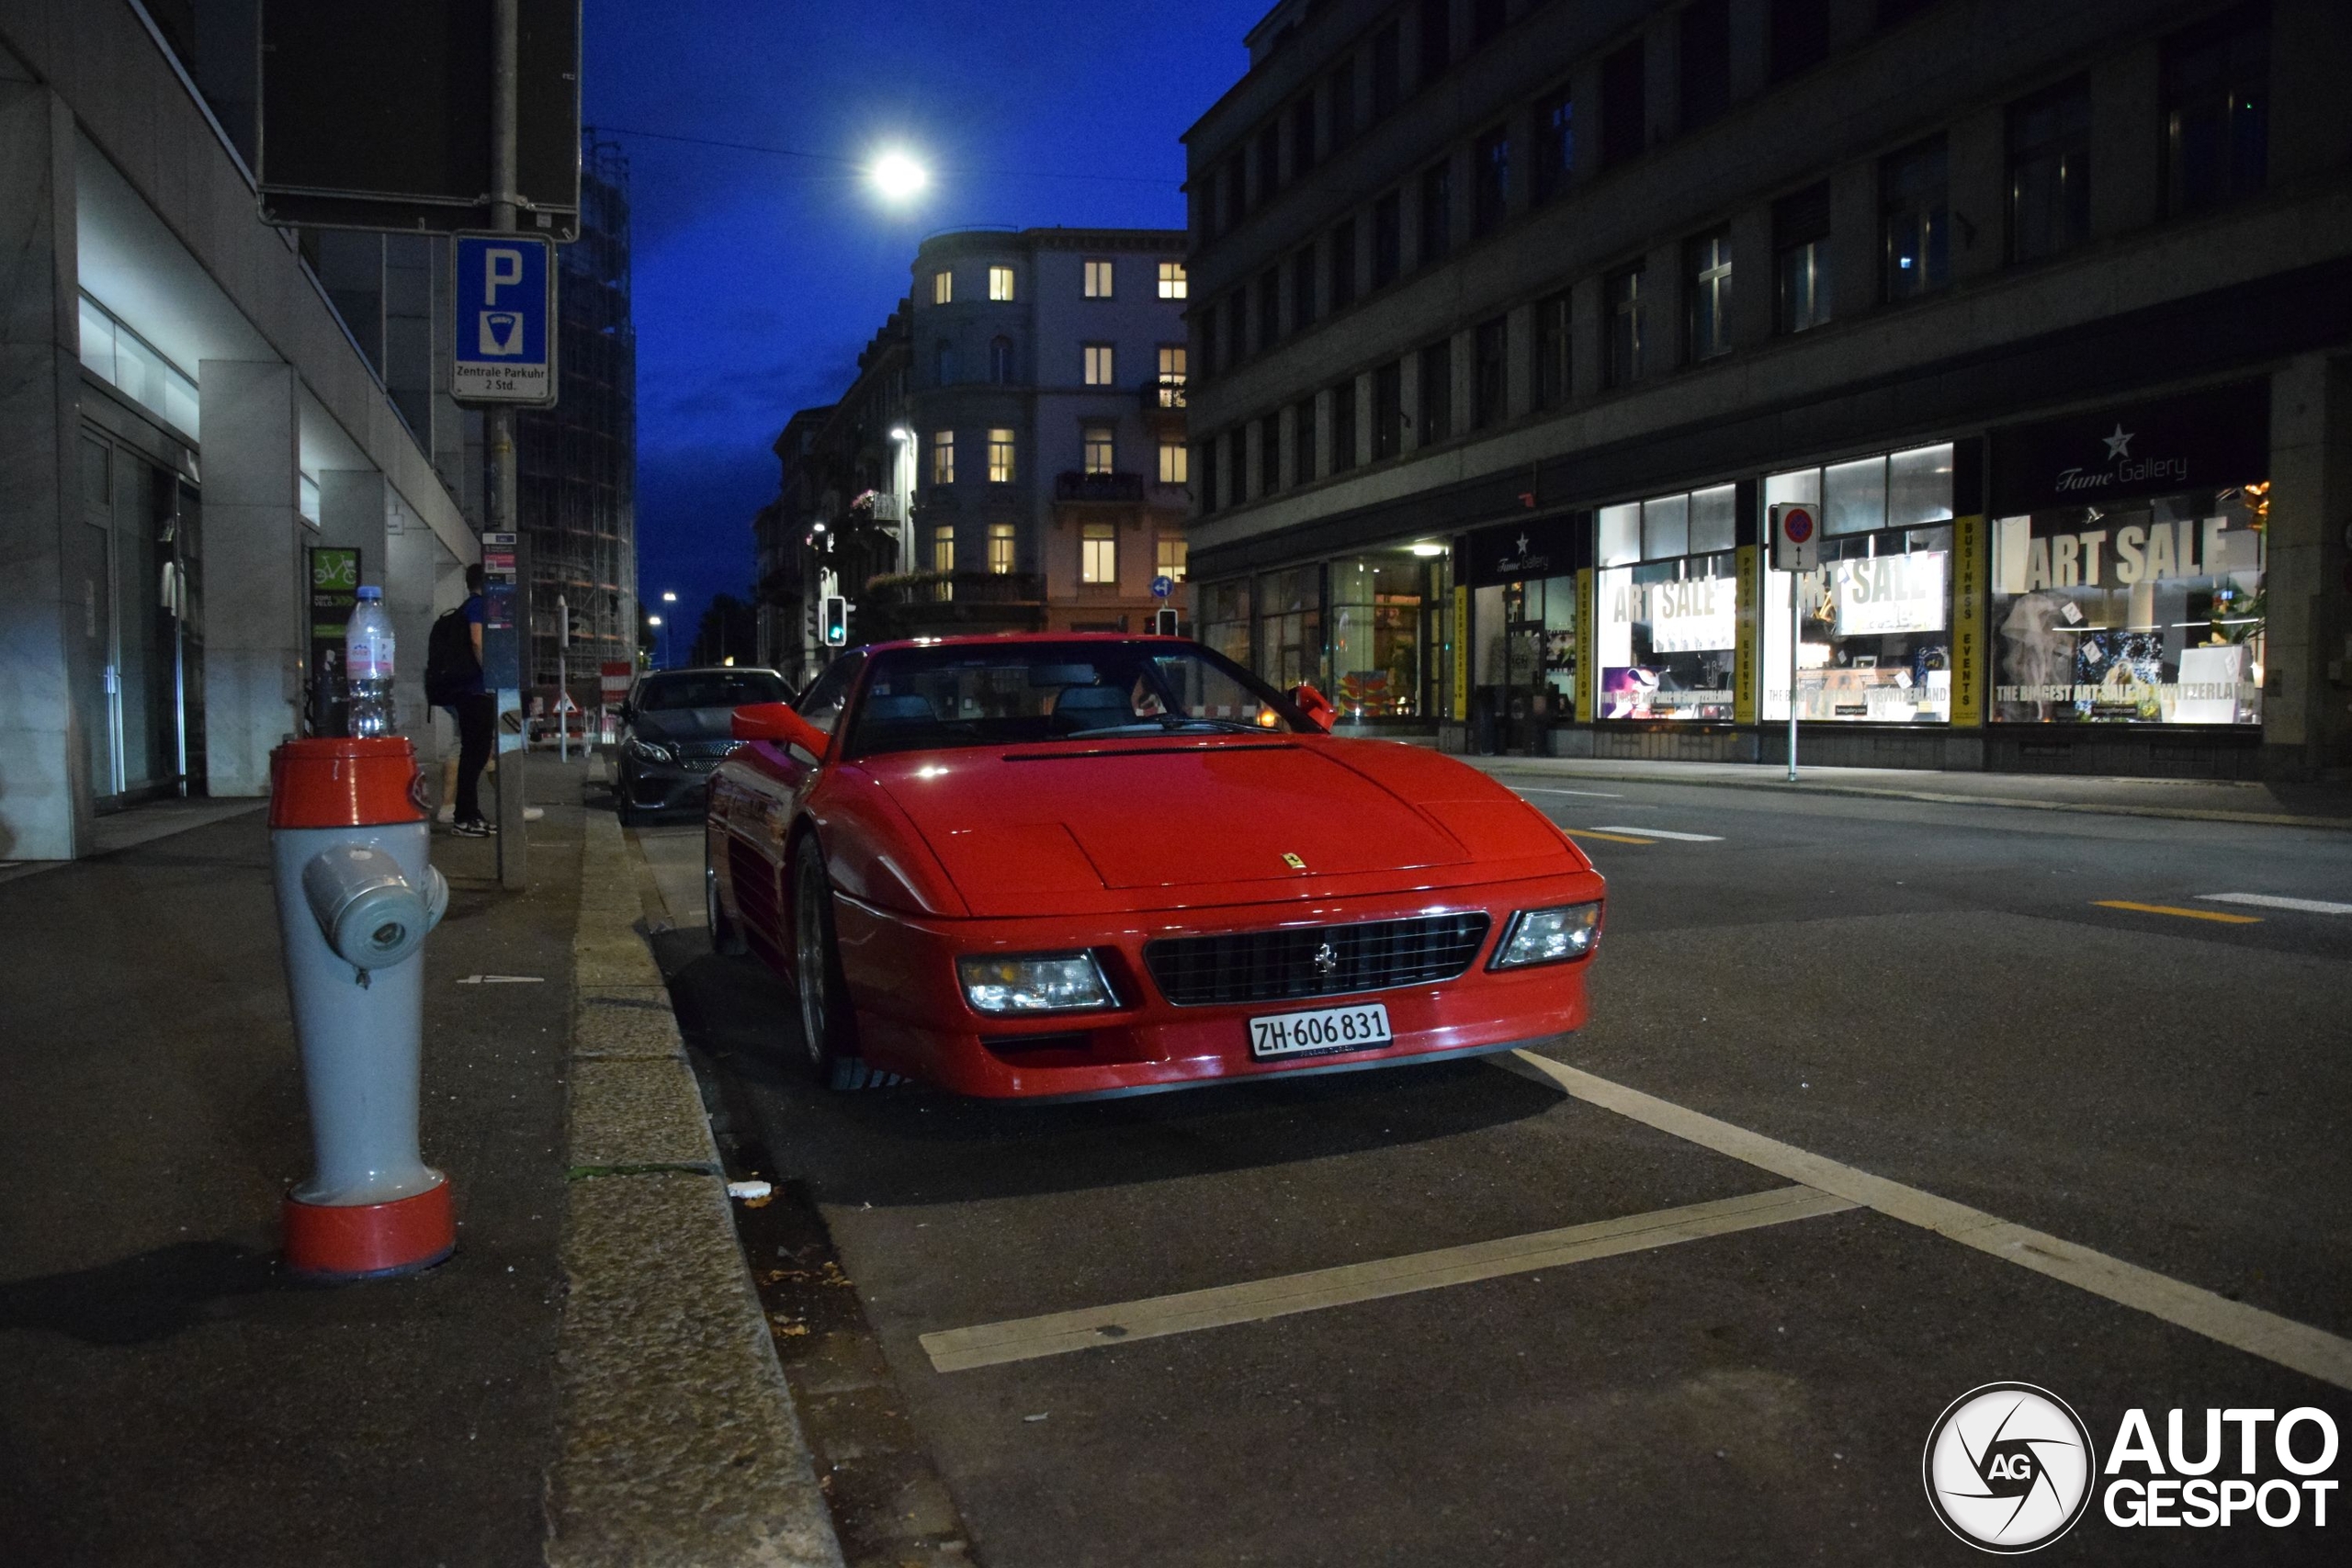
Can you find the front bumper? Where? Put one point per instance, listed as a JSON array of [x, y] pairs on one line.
[[913, 1018], [665, 786]]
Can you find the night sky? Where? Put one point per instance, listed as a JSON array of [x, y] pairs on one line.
[[758, 278]]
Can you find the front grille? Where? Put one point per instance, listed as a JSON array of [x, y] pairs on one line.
[[690, 750], [1279, 965]]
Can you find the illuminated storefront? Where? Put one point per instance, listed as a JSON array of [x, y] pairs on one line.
[[1668, 611], [1373, 631]]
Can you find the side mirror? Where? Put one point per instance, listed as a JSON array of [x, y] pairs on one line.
[[628, 710], [780, 725], [1315, 706]]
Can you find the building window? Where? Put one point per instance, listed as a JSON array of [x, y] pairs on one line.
[[942, 363], [1206, 322], [1173, 467], [1486, 22], [1172, 376], [1555, 147], [942, 547], [1099, 370], [1914, 220], [1237, 325], [1437, 213], [1387, 70], [1340, 90], [1236, 186], [1799, 36], [942, 287], [1206, 496], [1437, 39], [2050, 156], [1270, 162], [1001, 547], [1270, 309], [1705, 62], [1387, 410], [1436, 390], [1625, 326], [1172, 282], [1624, 105], [2217, 110], [1342, 251], [1100, 446], [942, 457], [1169, 558], [1000, 283], [1490, 167], [1343, 426], [1388, 239], [1269, 454], [1302, 290], [1001, 360], [1549, 384], [1706, 282], [1097, 285], [1489, 372], [999, 457], [1098, 553], [1302, 136], [1237, 463], [1302, 442], [1801, 259]]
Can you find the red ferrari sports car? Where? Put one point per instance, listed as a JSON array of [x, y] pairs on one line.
[[1092, 864]]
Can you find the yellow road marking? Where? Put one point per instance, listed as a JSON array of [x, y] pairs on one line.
[[1612, 838], [2185, 914]]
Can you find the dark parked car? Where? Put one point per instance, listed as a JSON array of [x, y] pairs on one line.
[[675, 730]]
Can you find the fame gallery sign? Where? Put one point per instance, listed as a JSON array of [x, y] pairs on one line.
[[2204, 440]]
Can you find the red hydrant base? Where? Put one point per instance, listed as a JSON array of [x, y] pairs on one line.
[[371, 1240]]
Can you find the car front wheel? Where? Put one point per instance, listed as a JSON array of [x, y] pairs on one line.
[[827, 1027]]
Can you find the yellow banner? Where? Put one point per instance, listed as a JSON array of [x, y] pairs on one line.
[[1968, 650], [1587, 645], [1460, 632], [1743, 658]]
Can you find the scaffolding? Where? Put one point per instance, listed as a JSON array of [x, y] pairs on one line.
[[577, 462]]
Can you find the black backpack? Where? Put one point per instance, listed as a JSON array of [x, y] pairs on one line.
[[449, 662]]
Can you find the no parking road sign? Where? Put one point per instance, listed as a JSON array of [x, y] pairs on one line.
[[504, 320], [1796, 538]]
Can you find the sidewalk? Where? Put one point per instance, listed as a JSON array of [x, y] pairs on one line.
[[2203, 800], [168, 1396]]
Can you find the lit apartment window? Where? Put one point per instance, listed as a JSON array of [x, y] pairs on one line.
[[942, 547], [1099, 368], [1706, 283], [1169, 554], [2217, 110], [999, 457], [942, 457], [1172, 280], [1175, 465], [2050, 158], [1001, 547], [942, 287], [1914, 217], [1101, 443], [1626, 308], [1172, 375], [1801, 258], [1098, 556], [1098, 281], [1000, 283]]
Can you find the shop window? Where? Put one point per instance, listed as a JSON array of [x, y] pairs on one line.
[[1387, 410], [1003, 547], [1550, 383], [1854, 497], [1098, 558], [1626, 310], [1523, 656], [1000, 283], [1437, 214], [1343, 266], [1290, 628], [1624, 105], [999, 457], [1098, 446], [1704, 62], [2217, 110], [1377, 626], [1302, 288], [2050, 191], [1436, 390], [1302, 442], [1666, 527], [1490, 167], [1555, 147], [1801, 259], [1714, 518], [1173, 285], [1222, 618], [1706, 264], [1665, 636], [1914, 220], [2150, 612], [126, 362], [1621, 534], [1489, 363], [1097, 280], [1343, 426]]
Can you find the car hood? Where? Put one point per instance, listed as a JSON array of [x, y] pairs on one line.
[[1152, 825], [683, 724]]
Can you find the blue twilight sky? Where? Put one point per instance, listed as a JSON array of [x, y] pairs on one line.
[[758, 278]]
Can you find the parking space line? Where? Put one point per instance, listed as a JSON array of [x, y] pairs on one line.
[[2312, 1351], [1662, 833], [2214, 914], [1589, 793], [1055, 1334], [1612, 838], [2270, 901]]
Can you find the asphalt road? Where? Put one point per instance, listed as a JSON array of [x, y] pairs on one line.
[[1915, 1002]]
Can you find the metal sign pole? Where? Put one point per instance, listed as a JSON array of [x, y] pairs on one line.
[[1792, 676], [499, 435]]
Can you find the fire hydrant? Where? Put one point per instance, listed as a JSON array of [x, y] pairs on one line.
[[356, 896]]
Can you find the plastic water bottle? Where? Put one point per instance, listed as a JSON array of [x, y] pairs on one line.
[[367, 665]]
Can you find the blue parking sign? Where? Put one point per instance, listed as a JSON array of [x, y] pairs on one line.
[[504, 320]]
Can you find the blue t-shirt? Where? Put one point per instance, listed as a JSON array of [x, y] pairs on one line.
[[477, 616]]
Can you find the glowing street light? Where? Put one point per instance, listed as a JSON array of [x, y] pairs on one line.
[[898, 177]]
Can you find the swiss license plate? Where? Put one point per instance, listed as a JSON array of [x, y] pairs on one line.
[[1357, 1027]]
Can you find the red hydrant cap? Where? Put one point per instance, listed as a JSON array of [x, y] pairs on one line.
[[329, 782]]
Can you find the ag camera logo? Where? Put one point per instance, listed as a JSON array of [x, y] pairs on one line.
[[2009, 1467]]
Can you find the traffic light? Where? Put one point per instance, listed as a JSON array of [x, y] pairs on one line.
[[836, 620], [1163, 623]]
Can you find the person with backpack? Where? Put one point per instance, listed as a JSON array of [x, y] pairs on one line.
[[453, 680]]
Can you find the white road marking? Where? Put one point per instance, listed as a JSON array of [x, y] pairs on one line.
[[1593, 794], [2259, 1333], [503, 980], [1055, 1334], [1662, 833], [2267, 901]]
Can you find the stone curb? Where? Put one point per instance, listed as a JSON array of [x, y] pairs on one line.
[[677, 1441]]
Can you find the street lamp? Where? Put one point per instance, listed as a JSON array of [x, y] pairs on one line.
[[656, 621]]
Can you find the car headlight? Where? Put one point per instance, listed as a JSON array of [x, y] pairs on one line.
[[651, 750], [1549, 936], [1036, 982]]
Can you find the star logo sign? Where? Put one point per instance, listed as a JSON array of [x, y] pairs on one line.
[[2119, 444], [1522, 541]]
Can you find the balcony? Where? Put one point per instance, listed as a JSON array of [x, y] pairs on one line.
[[1120, 490], [950, 604]]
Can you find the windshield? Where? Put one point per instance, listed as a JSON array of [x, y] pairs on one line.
[[711, 689], [927, 698]]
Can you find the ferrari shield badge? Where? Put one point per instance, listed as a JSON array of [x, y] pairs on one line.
[[1293, 861]]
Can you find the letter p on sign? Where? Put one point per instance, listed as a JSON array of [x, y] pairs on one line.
[[501, 269]]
